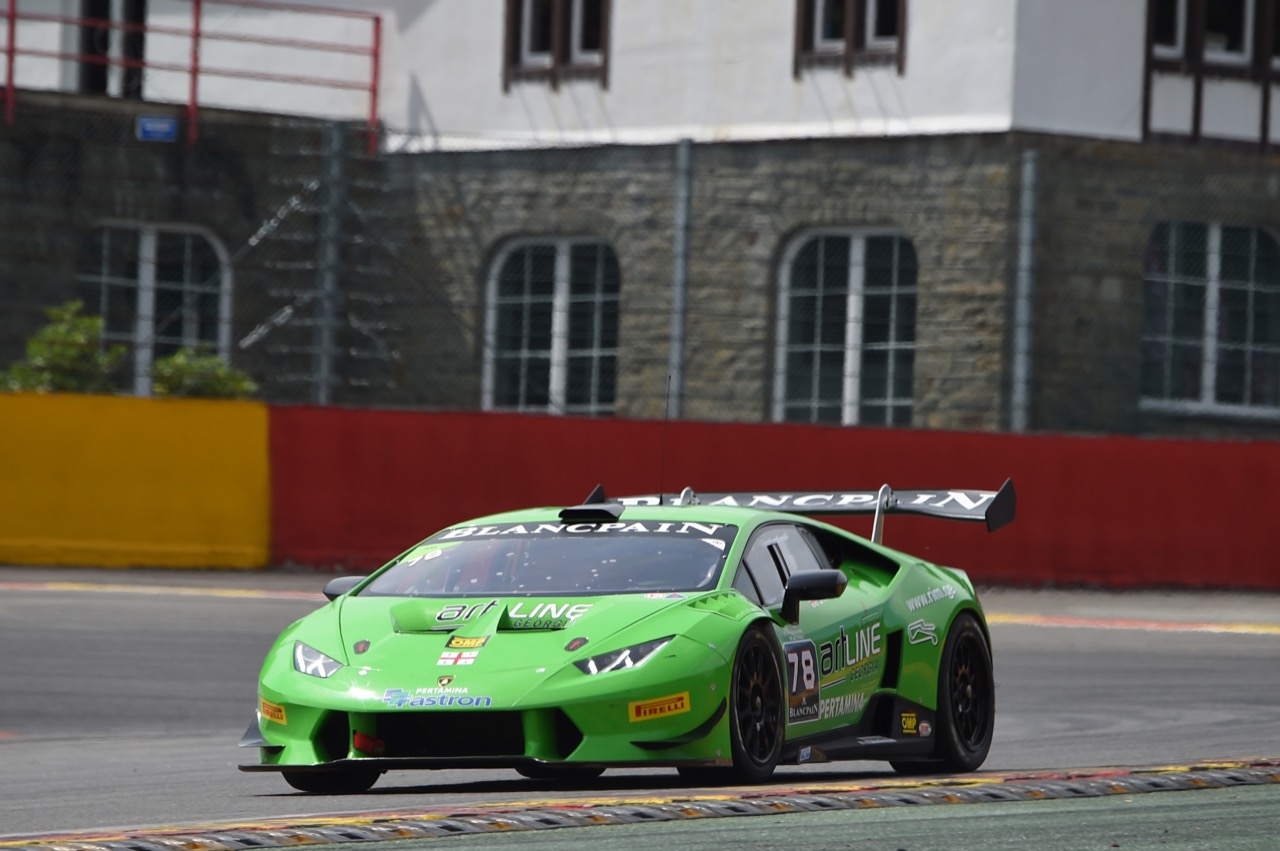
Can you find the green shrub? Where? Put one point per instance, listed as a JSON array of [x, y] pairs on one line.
[[66, 356], [194, 372]]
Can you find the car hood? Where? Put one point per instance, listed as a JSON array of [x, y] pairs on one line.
[[497, 634]]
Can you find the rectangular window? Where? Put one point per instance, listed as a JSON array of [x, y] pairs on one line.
[[554, 40], [158, 289], [1211, 320], [552, 329], [847, 313], [846, 33], [1269, 18], [1217, 32], [1228, 31], [535, 38], [882, 23], [1168, 27], [829, 25]]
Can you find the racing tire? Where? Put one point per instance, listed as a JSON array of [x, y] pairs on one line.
[[351, 782], [966, 703], [757, 707], [565, 773]]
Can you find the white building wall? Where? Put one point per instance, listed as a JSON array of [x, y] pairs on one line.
[[706, 70], [43, 37], [702, 69], [1232, 110], [218, 53], [1079, 67]]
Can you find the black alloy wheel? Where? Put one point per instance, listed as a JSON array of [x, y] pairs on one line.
[[971, 699], [757, 707], [966, 703], [757, 715]]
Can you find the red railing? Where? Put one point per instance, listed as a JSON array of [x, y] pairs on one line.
[[198, 34]]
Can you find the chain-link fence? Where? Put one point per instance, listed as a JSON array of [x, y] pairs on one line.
[[972, 282]]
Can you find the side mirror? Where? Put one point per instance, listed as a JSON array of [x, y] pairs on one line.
[[811, 585], [337, 587]]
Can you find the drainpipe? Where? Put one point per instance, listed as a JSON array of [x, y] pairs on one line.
[[1024, 296], [679, 278]]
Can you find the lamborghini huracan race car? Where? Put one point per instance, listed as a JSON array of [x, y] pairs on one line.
[[719, 634]]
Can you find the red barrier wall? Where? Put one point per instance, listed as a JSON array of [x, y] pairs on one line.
[[355, 487]]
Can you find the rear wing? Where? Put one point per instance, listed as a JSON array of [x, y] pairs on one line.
[[994, 508]]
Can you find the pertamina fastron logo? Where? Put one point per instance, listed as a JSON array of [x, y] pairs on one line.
[[647, 710]]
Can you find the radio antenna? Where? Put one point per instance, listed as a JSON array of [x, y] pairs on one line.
[[662, 453]]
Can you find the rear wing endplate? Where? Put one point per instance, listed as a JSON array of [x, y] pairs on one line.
[[994, 508]]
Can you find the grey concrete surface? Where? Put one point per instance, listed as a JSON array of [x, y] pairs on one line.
[[123, 693]]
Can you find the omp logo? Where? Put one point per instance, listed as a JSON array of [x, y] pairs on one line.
[[462, 642], [647, 710], [909, 723], [273, 712]]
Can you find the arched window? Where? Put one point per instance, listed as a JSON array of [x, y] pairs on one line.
[[159, 288], [551, 328], [1211, 320], [846, 329]]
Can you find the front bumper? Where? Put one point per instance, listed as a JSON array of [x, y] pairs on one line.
[[617, 719]]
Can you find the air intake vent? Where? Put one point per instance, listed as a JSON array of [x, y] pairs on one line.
[[451, 734], [892, 660], [568, 736], [334, 736]]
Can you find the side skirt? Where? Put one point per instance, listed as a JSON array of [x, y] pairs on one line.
[[890, 728]]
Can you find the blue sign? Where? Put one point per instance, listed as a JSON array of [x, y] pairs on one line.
[[156, 129]]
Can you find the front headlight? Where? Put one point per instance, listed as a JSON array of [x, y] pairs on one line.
[[628, 657], [310, 661]]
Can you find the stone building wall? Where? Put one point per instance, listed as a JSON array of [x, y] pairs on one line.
[[951, 197], [1098, 204], [256, 183], [419, 233]]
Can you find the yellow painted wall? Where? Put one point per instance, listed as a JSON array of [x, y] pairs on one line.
[[119, 481]]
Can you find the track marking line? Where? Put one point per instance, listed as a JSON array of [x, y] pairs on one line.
[[156, 590], [1133, 624]]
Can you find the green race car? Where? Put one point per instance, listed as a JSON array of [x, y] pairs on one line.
[[720, 634]]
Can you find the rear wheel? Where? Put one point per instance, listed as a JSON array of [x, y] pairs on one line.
[[350, 782], [966, 703]]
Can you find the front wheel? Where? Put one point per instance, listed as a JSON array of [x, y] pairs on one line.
[[351, 782], [757, 707]]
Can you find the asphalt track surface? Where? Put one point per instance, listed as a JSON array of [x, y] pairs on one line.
[[123, 694]]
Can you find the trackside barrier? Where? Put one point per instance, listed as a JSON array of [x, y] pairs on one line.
[[120, 481], [352, 488]]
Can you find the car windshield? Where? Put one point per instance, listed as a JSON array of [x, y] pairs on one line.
[[554, 559]]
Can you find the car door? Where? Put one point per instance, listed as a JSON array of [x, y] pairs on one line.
[[834, 656]]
